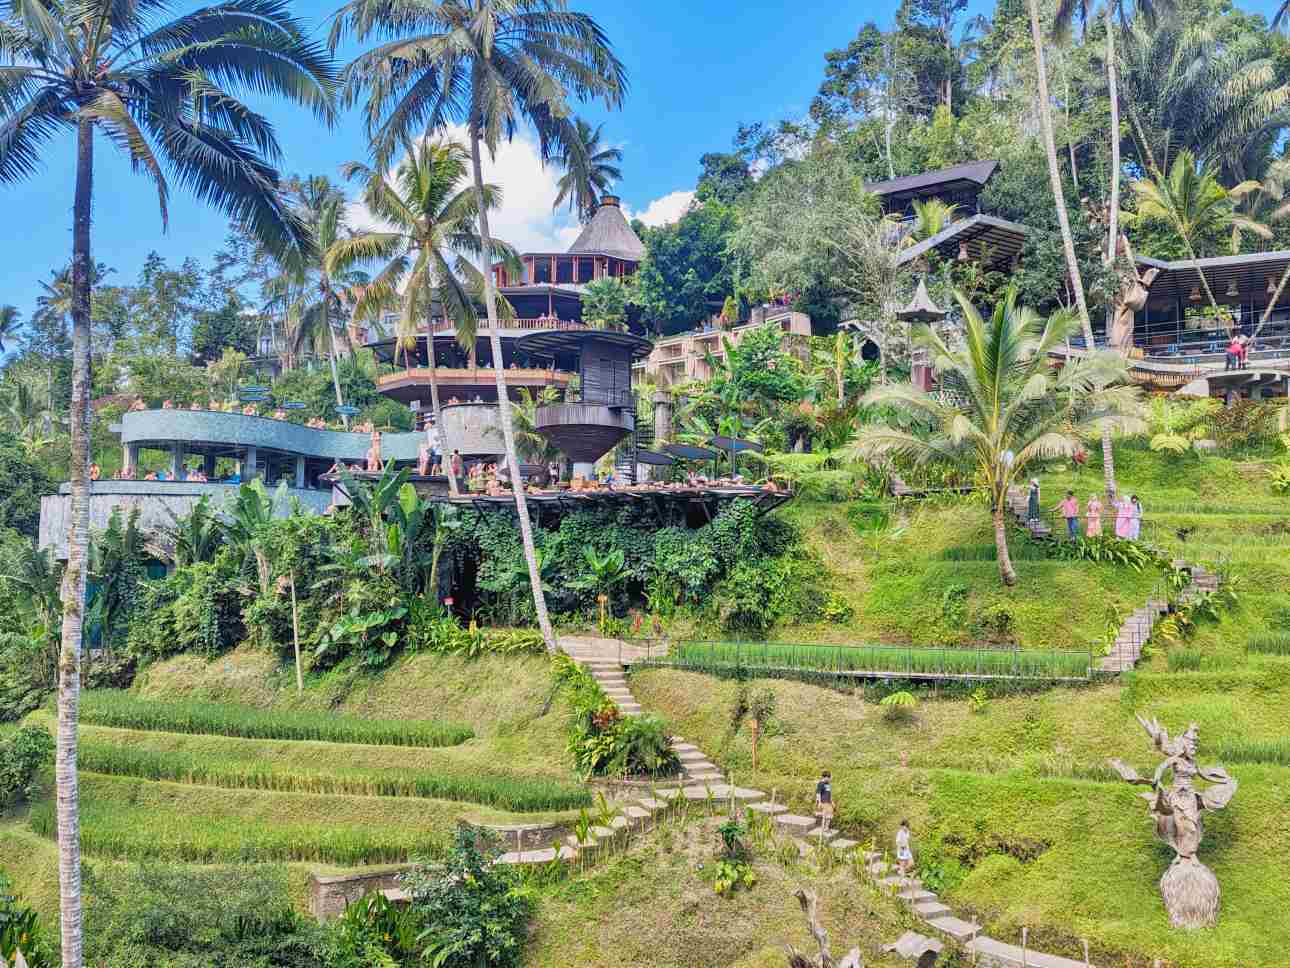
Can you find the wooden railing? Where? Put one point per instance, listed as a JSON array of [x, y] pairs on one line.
[[471, 376], [448, 326]]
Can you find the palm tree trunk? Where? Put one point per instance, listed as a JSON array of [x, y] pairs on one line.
[[434, 408], [335, 377], [1006, 571], [504, 404], [69, 660], [1113, 228]]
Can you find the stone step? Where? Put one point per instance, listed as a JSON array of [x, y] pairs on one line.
[[897, 880], [956, 928], [620, 695], [843, 844], [819, 835], [683, 748], [872, 855], [636, 815], [916, 895], [992, 953], [795, 822], [768, 808], [543, 856], [705, 776], [878, 867], [604, 833], [931, 909], [652, 805], [911, 944], [691, 754], [667, 793]]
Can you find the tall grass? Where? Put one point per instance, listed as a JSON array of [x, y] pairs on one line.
[[115, 829], [520, 794], [1185, 660], [1273, 643], [772, 658], [123, 710], [1275, 751]]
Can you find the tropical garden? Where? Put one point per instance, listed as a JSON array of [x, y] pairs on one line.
[[194, 722]]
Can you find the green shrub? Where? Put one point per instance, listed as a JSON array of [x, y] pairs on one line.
[[373, 932], [20, 931], [197, 609], [473, 910], [123, 710], [1275, 751], [22, 754], [171, 915]]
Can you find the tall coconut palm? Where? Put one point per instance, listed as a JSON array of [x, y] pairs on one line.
[[1008, 408], [1191, 202], [494, 65], [1063, 220], [432, 214], [10, 323], [1258, 205], [166, 94], [590, 170]]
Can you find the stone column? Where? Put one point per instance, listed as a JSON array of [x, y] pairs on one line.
[[300, 472], [131, 456], [208, 465], [249, 464], [176, 460]]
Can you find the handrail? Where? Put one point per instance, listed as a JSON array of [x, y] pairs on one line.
[[466, 374], [448, 326]]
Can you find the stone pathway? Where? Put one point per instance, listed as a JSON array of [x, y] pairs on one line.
[[1136, 630]]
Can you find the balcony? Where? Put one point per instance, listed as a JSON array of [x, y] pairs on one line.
[[417, 379], [541, 322]]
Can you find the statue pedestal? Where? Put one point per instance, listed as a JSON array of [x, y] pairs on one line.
[[1191, 894]]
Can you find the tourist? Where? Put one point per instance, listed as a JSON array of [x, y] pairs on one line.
[[904, 856], [138, 405], [213, 405], [453, 401], [1094, 511], [423, 459], [194, 405], [1135, 518], [1032, 503], [1123, 517], [454, 466], [553, 472], [127, 473], [150, 476], [374, 465], [1233, 361], [168, 405], [249, 410], [824, 801], [1069, 508], [95, 472], [279, 414], [1244, 358]]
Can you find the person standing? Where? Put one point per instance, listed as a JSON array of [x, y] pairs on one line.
[[1094, 511], [1123, 517], [1135, 518], [904, 855], [824, 800], [1069, 507], [1233, 354], [454, 466], [1032, 503]]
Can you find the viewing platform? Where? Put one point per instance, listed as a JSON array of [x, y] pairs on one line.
[[464, 382]]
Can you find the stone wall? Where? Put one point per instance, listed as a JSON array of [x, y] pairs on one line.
[[329, 894]]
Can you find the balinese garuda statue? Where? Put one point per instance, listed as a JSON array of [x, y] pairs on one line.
[[1189, 888]]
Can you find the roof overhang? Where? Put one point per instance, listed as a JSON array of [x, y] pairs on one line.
[[989, 240], [1250, 272]]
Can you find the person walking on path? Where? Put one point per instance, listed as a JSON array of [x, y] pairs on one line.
[[904, 856], [1123, 517], [824, 801], [1135, 518], [1032, 503], [1069, 507], [1094, 511]]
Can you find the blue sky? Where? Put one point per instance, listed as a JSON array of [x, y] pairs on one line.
[[697, 69]]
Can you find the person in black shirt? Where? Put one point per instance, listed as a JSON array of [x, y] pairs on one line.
[[824, 800]]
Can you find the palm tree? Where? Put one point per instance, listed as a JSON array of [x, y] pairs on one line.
[[1063, 220], [1260, 204], [10, 323], [590, 170], [165, 93], [931, 217], [535, 447], [1191, 202], [28, 417], [1008, 408], [493, 64], [433, 223]]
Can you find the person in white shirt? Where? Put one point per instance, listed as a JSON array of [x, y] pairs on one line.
[[904, 856]]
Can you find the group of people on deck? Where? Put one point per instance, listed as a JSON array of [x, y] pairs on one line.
[[1127, 514]]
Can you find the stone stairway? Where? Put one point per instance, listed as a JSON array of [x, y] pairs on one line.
[[942, 923]]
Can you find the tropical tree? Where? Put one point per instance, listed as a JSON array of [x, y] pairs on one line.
[[1007, 408], [492, 64], [166, 94], [27, 413], [590, 169], [1259, 205], [1191, 202], [433, 231], [931, 217], [604, 303], [196, 536], [1063, 219], [10, 323], [536, 448]]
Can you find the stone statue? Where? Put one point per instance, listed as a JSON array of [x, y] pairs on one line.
[[1130, 298], [1189, 888]]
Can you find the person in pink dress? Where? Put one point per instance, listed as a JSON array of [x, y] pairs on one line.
[[1123, 518], [1094, 517]]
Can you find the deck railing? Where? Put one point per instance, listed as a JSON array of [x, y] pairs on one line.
[[470, 376], [448, 326]]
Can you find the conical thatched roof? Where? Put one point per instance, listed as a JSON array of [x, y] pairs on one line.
[[609, 234]]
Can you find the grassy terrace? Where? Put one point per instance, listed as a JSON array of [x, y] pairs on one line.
[[116, 708], [823, 661]]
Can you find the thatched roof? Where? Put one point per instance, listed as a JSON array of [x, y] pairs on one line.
[[609, 234]]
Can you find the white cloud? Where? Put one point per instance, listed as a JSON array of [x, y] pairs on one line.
[[663, 211], [525, 218]]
